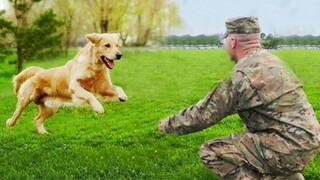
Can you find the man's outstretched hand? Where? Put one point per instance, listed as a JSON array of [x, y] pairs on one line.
[[163, 125]]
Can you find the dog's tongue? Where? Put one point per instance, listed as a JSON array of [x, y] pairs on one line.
[[108, 62]]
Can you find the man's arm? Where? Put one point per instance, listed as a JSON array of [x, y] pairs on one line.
[[219, 103]]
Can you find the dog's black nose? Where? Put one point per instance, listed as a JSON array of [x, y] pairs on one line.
[[119, 56]]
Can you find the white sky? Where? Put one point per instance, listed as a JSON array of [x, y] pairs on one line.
[[281, 17], [3, 4]]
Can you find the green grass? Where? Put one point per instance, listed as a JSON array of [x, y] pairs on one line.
[[124, 143]]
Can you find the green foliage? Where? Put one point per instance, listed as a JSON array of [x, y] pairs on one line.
[[271, 42], [43, 38], [124, 143], [5, 28], [22, 5], [301, 40], [192, 40], [5, 25], [268, 41]]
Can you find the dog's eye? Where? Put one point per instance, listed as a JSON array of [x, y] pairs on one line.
[[116, 45], [107, 45]]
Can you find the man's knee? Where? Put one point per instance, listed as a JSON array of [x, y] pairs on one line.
[[207, 154], [217, 156], [222, 157], [210, 159]]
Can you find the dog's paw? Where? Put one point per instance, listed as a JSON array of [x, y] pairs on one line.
[[98, 109], [43, 132], [121, 94], [9, 123], [123, 98]]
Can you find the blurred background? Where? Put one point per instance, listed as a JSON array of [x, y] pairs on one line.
[[46, 28], [34, 29]]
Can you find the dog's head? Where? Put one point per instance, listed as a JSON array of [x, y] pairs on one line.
[[105, 48]]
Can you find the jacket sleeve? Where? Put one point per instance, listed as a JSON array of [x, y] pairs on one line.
[[219, 103]]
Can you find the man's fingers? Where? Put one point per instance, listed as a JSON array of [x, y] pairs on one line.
[[161, 126]]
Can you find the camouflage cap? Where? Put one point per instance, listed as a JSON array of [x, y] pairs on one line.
[[242, 25]]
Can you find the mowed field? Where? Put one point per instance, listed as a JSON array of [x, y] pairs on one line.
[[124, 143]]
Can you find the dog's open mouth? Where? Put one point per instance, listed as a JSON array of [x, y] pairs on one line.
[[108, 62]]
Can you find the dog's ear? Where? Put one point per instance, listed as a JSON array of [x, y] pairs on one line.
[[94, 38]]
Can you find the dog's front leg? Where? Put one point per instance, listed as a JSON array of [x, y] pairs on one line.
[[114, 92], [121, 94], [82, 96]]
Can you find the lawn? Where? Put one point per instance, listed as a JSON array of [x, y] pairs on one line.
[[124, 143]]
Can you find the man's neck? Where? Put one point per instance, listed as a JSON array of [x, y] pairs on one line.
[[247, 49]]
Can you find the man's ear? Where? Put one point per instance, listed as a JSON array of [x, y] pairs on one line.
[[94, 38], [233, 42]]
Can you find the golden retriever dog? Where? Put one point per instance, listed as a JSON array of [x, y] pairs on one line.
[[77, 82]]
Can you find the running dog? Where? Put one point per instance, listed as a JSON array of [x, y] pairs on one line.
[[76, 83]]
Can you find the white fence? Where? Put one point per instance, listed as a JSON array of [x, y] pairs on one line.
[[315, 47], [279, 47], [206, 46]]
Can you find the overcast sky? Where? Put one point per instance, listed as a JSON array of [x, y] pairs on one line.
[[281, 17], [3, 4]]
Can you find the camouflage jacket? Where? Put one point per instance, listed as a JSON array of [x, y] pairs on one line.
[[267, 96]]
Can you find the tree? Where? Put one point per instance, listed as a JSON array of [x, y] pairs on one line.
[[192, 40], [45, 35], [153, 22], [263, 36], [107, 15], [21, 10], [30, 40], [271, 42], [138, 21], [72, 14], [5, 28]]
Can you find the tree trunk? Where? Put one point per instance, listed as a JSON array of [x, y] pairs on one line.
[[104, 25], [68, 34], [104, 19], [19, 47], [19, 59], [22, 21]]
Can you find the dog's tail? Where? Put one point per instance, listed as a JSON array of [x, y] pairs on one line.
[[23, 76]]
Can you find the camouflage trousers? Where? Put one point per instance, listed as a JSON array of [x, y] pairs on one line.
[[248, 156]]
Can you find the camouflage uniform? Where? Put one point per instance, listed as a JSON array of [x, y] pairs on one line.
[[282, 134]]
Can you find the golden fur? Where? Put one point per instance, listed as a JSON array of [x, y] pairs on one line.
[[77, 82]]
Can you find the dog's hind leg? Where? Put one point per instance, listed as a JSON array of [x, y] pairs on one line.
[[22, 103], [24, 98], [44, 113]]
